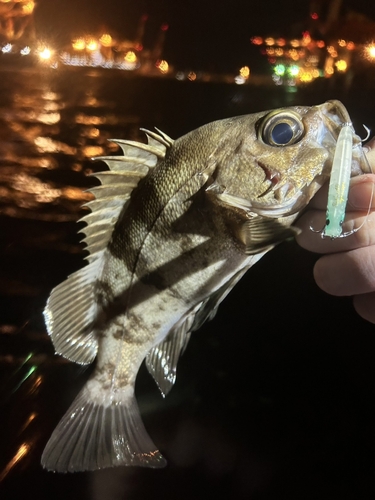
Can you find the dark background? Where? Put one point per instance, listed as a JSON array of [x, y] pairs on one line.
[[275, 397]]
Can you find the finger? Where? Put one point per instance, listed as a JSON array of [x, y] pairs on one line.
[[361, 194], [347, 273], [369, 150], [314, 220], [365, 306]]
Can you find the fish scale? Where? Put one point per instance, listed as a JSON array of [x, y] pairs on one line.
[[172, 229]]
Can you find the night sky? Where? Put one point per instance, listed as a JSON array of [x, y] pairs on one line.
[[203, 34]]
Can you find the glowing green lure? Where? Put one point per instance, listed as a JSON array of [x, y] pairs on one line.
[[339, 183]]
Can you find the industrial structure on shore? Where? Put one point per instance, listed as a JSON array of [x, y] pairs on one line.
[[330, 42]]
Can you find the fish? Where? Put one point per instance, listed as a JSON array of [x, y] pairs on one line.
[[171, 229]]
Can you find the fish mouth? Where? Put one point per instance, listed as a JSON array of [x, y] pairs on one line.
[[292, 207]]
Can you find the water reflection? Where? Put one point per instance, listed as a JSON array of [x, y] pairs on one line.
[[19, 455]]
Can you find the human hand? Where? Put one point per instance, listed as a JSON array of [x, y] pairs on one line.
[[348, 266]]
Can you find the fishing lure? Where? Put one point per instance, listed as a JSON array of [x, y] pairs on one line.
[[339, 184]]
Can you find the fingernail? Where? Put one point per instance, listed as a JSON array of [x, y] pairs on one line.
[[361, 195]]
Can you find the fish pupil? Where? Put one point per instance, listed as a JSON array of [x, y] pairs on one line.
[[282, 133]]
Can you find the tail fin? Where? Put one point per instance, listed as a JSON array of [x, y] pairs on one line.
[[91, 436]]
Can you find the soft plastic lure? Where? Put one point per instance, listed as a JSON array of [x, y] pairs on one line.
[[339, 183]]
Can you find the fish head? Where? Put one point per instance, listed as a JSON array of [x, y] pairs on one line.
[[274, 162]]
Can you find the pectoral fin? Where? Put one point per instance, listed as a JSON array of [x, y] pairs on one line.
[[261, 233]]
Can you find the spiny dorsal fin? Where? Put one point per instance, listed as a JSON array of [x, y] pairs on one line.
[[158, 140], [128, 163], [127, 146], [166, 137], [117, 184]]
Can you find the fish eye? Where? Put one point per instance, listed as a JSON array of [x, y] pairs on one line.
[[281, 128]]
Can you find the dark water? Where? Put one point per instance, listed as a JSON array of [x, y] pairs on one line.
[[274, 398]]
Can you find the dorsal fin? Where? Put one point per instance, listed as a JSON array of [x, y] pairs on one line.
[[145, 148], [168, 139], [156, 140], [117, 184], [71, 309]]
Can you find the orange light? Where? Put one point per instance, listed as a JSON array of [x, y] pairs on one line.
[[21, 452], [306, 38], [130, 57], [106, 40], [78, 44], [28, 8], [257, 40], [370, 51], [91, 44], [341, 65], [45, 54], [245, 72], [163, 66]]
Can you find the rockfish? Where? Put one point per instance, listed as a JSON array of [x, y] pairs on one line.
[[173, 227]]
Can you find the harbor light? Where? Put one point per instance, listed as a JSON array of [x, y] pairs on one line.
[[79, 44], [245, 72], [370, 51], [92, 45], [279, 69], [162, 66], [45, 54], [7, 48], [130, 57], [293, 70], [106, 40], [341, 65], [28, 8], [25, 51]]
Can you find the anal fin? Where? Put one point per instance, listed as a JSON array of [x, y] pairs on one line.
[[161, 361]]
